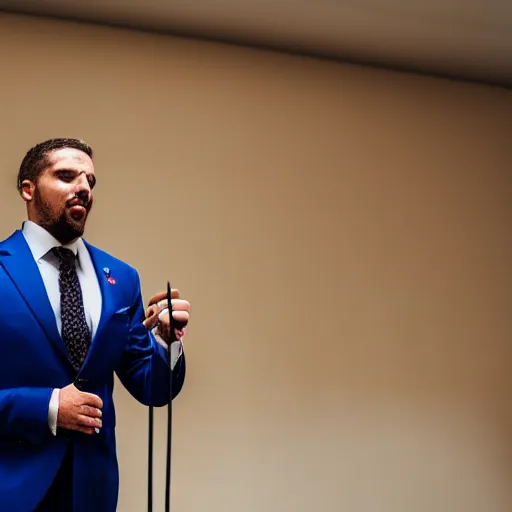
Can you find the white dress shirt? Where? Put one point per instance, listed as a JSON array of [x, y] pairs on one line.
[[40, 243]]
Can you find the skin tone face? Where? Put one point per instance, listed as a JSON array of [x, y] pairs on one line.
[[61, 198]]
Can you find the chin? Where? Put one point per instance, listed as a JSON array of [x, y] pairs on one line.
[[68, 231], [76, 224], [78, 229]]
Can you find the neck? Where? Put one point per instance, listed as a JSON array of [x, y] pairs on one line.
[[64, 235]]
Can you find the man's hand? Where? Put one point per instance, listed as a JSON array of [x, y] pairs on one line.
[[157, 315], [78, 410]]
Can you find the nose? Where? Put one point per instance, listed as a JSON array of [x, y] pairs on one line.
[[83, 190], [83, 195]]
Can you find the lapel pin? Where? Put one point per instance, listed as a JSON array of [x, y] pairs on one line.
[[110, 279]]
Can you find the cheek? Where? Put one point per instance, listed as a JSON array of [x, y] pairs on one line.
[[61, 193], [56, 197]]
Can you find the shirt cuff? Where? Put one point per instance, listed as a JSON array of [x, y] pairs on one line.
[[176, 351], [53, 411], [176, 347]]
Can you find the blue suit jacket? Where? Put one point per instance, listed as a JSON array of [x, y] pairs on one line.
[[33, 361]]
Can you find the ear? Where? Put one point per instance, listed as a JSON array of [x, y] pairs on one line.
[[27, 190]]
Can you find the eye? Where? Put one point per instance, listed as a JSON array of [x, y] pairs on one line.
[[66, 176], [92, 181]]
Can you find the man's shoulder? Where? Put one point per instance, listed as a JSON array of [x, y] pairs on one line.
[[108, 259], [8, 243]]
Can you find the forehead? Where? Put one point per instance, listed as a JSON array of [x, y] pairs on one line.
[[70, 158]]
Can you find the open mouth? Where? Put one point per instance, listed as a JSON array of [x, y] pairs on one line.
[[77, 211]]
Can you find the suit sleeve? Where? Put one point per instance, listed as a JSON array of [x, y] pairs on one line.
[[24, 413], [144, 366]]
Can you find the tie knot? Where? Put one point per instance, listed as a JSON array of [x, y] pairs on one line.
[[64, 255]]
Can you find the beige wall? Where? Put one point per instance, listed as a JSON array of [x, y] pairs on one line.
[[344, 236]]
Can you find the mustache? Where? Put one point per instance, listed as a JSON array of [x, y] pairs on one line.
[[80, 200]]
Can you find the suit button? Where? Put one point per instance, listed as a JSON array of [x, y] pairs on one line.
[[81, 383]]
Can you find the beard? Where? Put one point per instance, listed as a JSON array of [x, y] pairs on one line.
[[60, 224]]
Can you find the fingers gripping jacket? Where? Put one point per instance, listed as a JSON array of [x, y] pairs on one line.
[[169, 422]]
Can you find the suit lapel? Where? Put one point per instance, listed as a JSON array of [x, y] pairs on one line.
[[100, 262], [19, 264]]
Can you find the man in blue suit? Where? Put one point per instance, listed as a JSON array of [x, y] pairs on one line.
[[71, 316]]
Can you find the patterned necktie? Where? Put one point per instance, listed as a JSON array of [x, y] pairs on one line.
[[75, 331]]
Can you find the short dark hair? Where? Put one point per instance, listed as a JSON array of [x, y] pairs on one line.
[[36, 158]]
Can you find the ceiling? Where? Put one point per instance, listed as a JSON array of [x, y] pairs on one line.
[[462, 39]]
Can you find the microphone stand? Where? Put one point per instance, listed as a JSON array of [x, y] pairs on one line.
[[172, 338]]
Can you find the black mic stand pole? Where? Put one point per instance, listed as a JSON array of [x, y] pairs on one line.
[[172, 338]]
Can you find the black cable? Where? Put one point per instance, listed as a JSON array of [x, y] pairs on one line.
[[172, 338], [150, 461]]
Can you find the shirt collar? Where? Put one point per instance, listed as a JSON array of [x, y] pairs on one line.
[[41, 241]]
